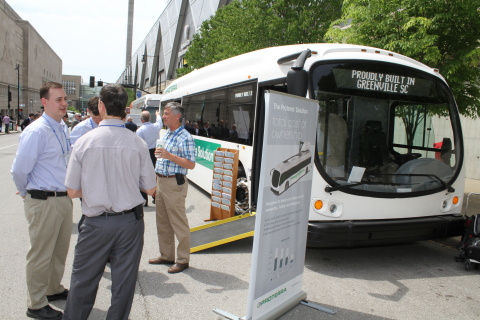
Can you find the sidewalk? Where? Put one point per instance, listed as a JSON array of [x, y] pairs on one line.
[[10, 131]]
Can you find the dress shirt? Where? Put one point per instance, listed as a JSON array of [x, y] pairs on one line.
[[41, 159], [149, 132], [179, 143], [82, 128], [119, 165]]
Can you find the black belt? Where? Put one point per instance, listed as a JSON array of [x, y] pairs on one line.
[[43, 195], [162, 176], [110, 214]]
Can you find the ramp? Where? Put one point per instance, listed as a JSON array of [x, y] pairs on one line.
[[223, 231]]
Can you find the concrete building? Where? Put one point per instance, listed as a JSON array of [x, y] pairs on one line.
[[154, 63], [22, 45], [73, 86]]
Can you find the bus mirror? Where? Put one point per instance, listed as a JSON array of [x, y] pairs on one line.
[[297, 82]]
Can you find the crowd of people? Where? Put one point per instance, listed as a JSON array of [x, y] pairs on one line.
[[219, 131], [108, 168]]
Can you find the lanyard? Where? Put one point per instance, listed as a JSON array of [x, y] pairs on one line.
[[112, 125], [55, 133]]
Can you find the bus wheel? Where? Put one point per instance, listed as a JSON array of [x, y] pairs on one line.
[[287, 185], [241, 196]]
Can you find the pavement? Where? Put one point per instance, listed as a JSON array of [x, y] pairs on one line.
[[417, 280]]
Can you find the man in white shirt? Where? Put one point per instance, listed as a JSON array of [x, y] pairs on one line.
[[149, 132]]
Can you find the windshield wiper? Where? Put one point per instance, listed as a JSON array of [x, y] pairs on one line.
[[445, 184], [330, 189]]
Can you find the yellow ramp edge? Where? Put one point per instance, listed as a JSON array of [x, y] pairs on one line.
[[223, 231]]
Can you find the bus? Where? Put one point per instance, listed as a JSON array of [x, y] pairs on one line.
[[148, 102], [382, 114]]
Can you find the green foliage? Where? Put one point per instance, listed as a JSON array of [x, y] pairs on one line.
[[443, 34], [71, 108], [249, 25], [131, 96]]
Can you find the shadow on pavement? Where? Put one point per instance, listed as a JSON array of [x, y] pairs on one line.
[[307, 313]]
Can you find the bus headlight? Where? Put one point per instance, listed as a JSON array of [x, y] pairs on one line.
[[327, 207], [450, 203]]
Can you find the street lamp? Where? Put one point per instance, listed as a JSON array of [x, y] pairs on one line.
[[18, 93], [144, 59]]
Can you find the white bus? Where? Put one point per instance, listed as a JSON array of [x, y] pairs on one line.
[[148, 102], [380, 112]]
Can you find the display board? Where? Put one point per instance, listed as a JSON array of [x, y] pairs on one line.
[[224, 184], [283, 205]]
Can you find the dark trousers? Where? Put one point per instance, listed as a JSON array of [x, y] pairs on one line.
[[119, 238], [6, 127], [154, 162]]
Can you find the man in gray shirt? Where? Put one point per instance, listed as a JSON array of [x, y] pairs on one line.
[[108, 168]]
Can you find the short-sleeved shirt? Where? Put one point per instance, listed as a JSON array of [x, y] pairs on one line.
[[110, 165], [179, 143]]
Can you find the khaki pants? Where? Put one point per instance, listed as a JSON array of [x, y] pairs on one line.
[[172, 219], [50, 230]]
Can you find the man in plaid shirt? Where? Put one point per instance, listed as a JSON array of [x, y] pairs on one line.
[[174, 159]]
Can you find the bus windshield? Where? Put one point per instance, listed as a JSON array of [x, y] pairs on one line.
[[384, 128]]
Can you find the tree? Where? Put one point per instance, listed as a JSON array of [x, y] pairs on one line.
[[249, 25], [443, 34]]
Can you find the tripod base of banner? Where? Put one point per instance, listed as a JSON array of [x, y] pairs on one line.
[[317, 306], [227, 315]]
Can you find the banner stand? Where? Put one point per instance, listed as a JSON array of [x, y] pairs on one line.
[[281, 223], [280, 311]]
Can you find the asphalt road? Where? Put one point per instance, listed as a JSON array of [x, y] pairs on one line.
[[413, 281]]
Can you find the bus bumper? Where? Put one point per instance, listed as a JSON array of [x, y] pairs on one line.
[[361, 233]]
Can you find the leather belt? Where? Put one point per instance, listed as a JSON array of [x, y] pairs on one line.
[[43, 195], [110, 214], [162, 176]]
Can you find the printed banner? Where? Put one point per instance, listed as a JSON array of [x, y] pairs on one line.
[[283, 203]]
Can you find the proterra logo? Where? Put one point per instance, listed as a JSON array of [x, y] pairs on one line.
[[273, 296]]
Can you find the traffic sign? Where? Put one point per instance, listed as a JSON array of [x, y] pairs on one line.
[[139, 94]]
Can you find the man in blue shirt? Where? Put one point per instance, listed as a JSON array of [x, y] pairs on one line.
[[88, 124], [149, 132], [39, 171], [174, 160]]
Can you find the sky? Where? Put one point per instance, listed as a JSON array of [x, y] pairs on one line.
[[90, 36]]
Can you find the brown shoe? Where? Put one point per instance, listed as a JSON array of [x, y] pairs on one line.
[[178, 267], [160, 261]]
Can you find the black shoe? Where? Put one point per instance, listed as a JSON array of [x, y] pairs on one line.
[[45, 313], [59, 296]]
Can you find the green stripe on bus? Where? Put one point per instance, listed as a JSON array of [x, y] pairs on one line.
[[206, 152]]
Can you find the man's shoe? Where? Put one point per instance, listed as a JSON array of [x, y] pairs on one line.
[[59, 296], [160, 261], [45, 313], [178, 267]]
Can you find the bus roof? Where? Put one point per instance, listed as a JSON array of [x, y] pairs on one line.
[[135, 103], [262, 65]]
